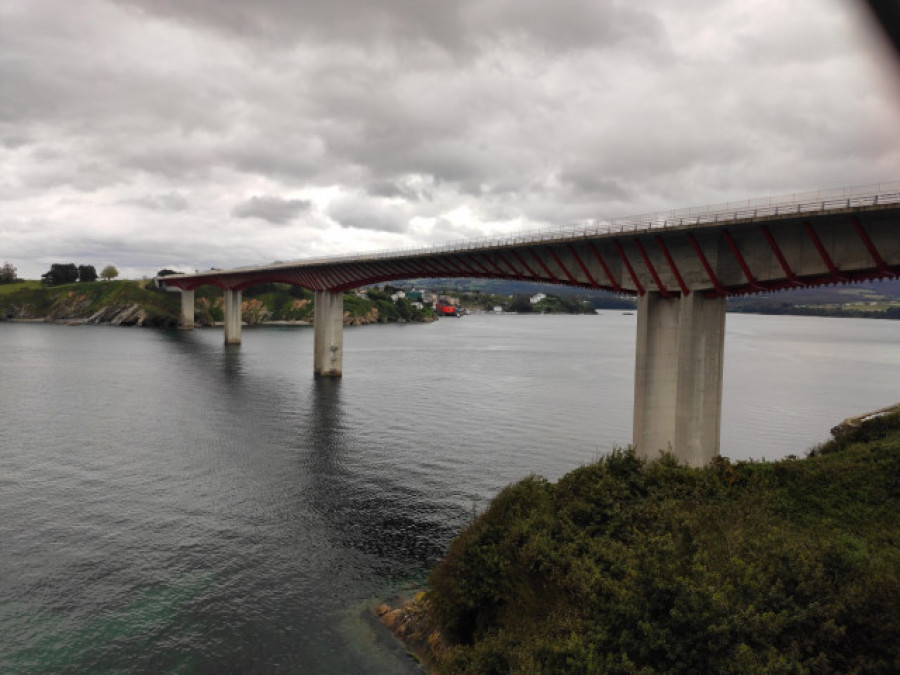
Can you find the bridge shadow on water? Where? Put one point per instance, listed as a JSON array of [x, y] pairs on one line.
[[365, 497]]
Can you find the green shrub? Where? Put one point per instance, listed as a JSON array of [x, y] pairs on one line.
[[625, 566]]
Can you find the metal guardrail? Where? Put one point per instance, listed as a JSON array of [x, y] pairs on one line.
[[785, 205]]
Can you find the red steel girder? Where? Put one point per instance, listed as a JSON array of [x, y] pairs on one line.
[[450, 264], [342, 274], [493, 264], [330, 277], [359, 272], [300, 279], [634, 278], [475, 260], [410, 267], [438, 268], [515, 272], [720, 290], [396, 271], [663, 291], [583, 267], [373, 272], [305, 278], [550, 275], [612, 280], [469, 269], [785, 267], [870, 247], [561, 266], [378, 273], [751, 280], [291, 277], [429, 267], [672, 266], [829, 263], [534, 275], [315, 276]]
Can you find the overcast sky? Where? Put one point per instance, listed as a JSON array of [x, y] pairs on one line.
[[197, 133]]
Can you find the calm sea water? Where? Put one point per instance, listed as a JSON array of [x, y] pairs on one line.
[[169, 504]]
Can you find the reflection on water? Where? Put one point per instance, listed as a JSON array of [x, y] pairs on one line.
[[173, 504]]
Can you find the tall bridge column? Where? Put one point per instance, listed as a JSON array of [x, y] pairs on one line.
[[187, 310], [232, 317], [328, 322], [678, 376]]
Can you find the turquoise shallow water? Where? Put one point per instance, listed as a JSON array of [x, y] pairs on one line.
[[172, 505]]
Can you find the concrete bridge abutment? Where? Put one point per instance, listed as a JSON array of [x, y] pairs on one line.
[[328, 324], [678, 376]]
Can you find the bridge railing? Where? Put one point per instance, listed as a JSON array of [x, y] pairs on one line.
[[809, 202]]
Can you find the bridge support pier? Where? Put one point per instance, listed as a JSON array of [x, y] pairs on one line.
[[328, 322], [232, 317], [678, 376], [186, 321]]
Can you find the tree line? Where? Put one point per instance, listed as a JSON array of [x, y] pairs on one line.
[[70, 273], [8, 274]]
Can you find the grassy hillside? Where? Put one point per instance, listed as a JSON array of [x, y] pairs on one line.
[[125, 302], [6, 289], [629, 567]]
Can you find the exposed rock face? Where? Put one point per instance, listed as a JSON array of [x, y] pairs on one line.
[[369, 317], [254, 312], [413, 625], [130, 315], [74, 308]]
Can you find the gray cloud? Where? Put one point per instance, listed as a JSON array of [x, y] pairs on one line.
[[172, 201], [273, 209], [368, 214], [399, 122]]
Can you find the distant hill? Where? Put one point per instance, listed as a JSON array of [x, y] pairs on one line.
[[874, 299]]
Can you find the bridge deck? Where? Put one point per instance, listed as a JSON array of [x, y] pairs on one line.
[[730, 249]]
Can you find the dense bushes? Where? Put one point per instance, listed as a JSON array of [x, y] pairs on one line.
[[623, 566]]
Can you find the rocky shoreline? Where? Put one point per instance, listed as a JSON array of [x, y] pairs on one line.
[[130, 315], [133, 303], [411, 623]]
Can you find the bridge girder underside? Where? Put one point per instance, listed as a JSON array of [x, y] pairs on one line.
[[735, 258]]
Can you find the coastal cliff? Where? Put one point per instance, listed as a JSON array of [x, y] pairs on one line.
[[626, 566], [125, 303]]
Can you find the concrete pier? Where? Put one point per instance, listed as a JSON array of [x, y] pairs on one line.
[[328, 322], [186, 321], [232, 317], [678, 376]]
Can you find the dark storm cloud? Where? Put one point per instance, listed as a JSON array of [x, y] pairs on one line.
[[273, 209]]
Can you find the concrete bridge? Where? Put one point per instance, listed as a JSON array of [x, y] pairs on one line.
[[681, 265]]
